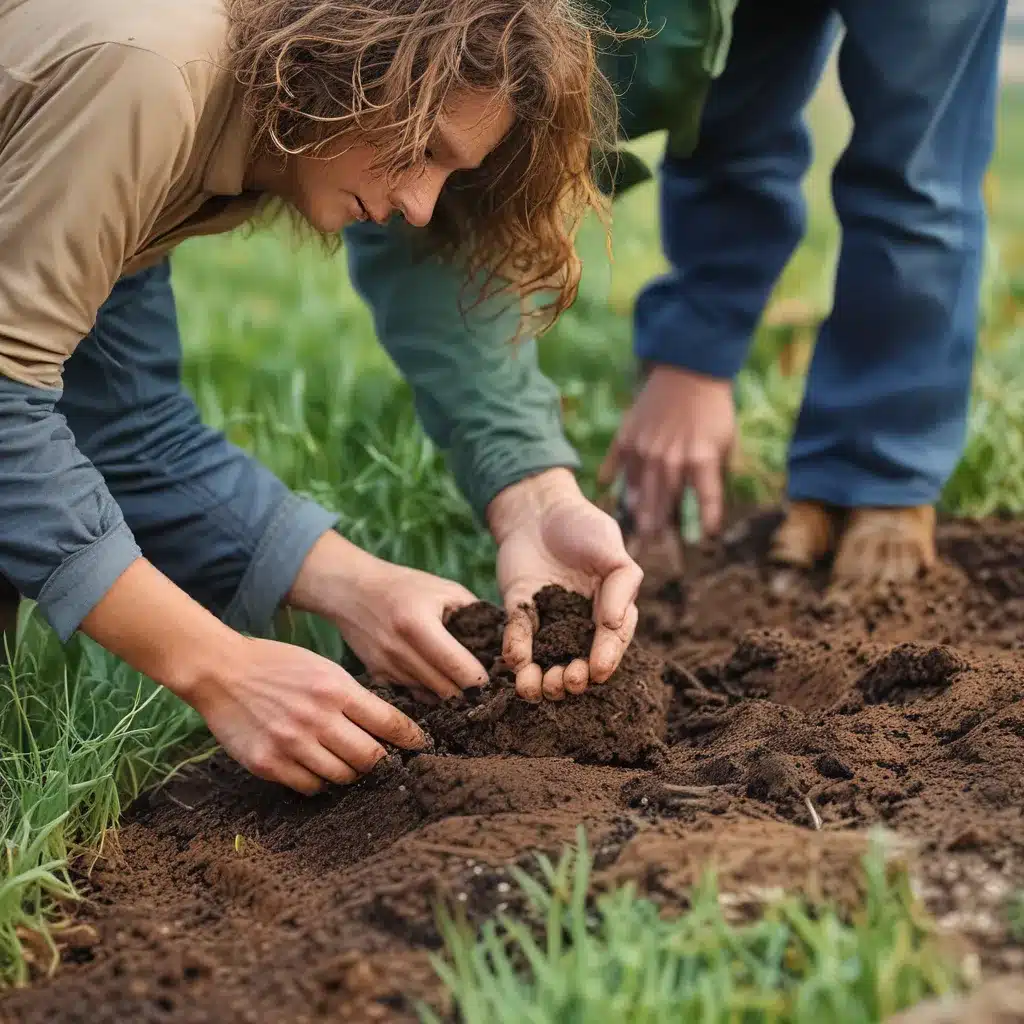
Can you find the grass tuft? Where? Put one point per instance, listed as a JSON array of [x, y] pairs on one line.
[[80, 734], [1015, 916], [617, 958]]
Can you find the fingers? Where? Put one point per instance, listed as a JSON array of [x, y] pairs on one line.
[[351, 746], [653, 487], [343, 753], [289, 773], [615, 615], [447, 660], [517, 643], [381, 719], [610, 645], [617, 592], [529, 683], [517, 649], [422, 695], [415, 669], [325, 764], [577, 676], [706, 476], [553, 683]]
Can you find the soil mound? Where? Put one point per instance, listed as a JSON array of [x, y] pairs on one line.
[[623, 721], [755, 728]]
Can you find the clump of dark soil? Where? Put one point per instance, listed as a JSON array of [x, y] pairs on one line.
[[621, 721], [566, 627], [911, 672], [756, 731]]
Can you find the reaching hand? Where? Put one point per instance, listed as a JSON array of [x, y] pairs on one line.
[[285, 713], [679, 432], [548, 532], [392, 617]]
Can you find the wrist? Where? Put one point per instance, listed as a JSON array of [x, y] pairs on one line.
[[201, 665], [669, 371], [158, 629], [327, 579], [522, 501]]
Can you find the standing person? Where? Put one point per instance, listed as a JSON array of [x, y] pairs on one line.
[[127, 126], [883, 418]]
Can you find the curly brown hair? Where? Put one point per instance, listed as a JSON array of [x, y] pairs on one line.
[[314, 70]]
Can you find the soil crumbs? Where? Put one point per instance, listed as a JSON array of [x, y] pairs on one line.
[[740, 720]]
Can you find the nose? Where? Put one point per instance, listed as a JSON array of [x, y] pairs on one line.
[[415, 199]]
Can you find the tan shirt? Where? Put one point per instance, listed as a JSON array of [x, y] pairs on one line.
[[120, 136]]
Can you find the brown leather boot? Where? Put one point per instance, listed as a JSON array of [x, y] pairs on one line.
[[885, 545], [806, 534]]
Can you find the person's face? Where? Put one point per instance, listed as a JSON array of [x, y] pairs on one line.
[[336, 191]]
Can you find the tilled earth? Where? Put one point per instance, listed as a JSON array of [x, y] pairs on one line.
[[740, 721]]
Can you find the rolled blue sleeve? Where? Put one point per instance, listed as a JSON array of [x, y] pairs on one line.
[[65, 541]]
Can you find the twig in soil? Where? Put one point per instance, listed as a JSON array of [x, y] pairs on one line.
[[840, 824], [180, 803], [815, 817], [688, 791], [444, 849]]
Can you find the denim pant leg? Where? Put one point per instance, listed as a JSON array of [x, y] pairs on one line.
[[884, 415], [207, 514], [733, 212]]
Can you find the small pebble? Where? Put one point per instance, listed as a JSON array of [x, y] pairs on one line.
[[401, 789], [643, 801], [478, 870], [503, 887], [463, 897]]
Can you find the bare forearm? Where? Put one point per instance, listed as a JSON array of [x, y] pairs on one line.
[[153, 625]]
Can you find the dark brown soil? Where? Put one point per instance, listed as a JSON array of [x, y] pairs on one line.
[[739, 716], [621, 722]]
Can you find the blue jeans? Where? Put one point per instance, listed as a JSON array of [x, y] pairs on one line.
[[884, 413]]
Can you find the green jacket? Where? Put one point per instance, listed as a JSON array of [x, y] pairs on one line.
[[662, 78], [484, 402]]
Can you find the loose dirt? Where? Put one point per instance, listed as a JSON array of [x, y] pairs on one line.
[[760, 731]]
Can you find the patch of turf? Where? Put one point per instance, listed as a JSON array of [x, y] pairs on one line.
[[616, 957]]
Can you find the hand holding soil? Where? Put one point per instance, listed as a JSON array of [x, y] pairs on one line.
[[737, 724], [391, 616], [549, 533]]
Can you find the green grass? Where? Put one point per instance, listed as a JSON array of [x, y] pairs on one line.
[[80, 734], [1015, 916], [281, 354], [572, 958]]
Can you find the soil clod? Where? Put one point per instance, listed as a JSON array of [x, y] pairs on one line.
[[622, 721]]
